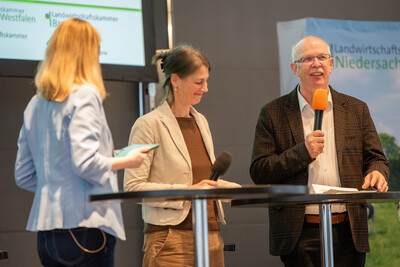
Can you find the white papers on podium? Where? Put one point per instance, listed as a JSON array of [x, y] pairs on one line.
[[326, 189]]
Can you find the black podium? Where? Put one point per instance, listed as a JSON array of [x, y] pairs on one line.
[[324, 201], [199, 197]]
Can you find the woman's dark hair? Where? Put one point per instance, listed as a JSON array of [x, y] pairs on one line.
[[182, 60]]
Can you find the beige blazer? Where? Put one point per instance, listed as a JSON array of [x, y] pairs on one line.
[[168, 166]]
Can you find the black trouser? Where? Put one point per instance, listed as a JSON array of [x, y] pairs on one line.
[[307, 252]]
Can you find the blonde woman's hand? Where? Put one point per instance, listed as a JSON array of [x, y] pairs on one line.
[[133, 159], [136, 156]]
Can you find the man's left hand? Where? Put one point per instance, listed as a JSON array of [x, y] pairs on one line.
[[375, 179]]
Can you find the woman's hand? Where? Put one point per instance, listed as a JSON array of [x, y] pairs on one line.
[[206, 183], [133, 159]]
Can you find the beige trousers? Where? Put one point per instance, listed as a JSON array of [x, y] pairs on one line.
[[174, 248]]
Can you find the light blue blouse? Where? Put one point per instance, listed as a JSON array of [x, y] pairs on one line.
[[64, 155]]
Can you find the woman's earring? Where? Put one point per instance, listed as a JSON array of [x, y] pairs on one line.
[[175, 89]]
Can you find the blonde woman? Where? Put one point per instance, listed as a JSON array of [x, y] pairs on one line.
[[65, 154]]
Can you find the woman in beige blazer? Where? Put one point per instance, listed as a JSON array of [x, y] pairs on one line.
[[183, 160]]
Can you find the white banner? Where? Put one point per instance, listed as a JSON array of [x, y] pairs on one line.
[[366, 62]]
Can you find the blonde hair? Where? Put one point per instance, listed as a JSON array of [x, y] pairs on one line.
[[72, 57], [182, 60]]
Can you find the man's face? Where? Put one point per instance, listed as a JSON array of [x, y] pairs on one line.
[[313, 73]]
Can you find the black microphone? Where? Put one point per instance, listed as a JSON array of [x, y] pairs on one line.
[[319, 104], [221, 165]]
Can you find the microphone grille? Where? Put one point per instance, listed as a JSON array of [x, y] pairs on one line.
[[320, 99], [222, 163]]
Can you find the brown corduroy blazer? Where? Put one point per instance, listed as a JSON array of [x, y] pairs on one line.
[[281, 157]]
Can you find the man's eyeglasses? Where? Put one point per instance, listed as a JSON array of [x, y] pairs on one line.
[[320, 58]]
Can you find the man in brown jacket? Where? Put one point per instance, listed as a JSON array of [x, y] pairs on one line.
[[346, 152]]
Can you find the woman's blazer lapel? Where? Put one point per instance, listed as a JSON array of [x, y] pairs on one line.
[[173, 129]]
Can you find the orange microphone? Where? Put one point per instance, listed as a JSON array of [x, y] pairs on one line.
[[319, 104]]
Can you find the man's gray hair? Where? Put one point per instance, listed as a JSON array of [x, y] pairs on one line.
[[296, 46]]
